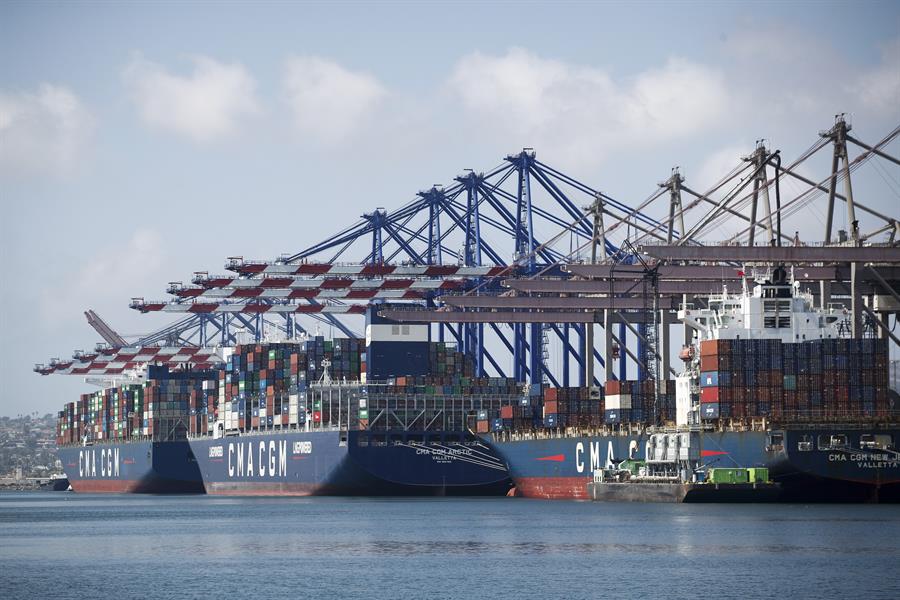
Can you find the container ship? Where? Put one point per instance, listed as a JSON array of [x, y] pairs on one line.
[[132, 438], [770, 381], [317, 418]]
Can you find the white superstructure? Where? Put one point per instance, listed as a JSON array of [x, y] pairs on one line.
[[774, 309]]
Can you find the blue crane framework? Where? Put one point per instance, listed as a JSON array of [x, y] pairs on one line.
[[495, 261], [420, 233]]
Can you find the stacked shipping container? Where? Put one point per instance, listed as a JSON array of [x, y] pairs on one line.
[[447, 397], [572, 407], [544, 407], [633, 401], [820, 380], [265, 385], [268, 385], [159, 409]]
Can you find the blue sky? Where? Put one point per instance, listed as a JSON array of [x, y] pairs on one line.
[[143, 141]]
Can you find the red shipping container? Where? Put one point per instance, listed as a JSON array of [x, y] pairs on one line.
[[551, 407], [506, 412], [613, 387], [709, 394], [551, 394]]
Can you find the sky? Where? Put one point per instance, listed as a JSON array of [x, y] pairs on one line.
[[140, 142]]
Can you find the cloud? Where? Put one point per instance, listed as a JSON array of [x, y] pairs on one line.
[[45, 131], [716, 166], [106, 279], [879, 87], [795, 78], [328, 102], [205, 106], [578, 111]]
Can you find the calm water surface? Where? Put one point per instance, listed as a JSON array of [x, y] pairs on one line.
[[63, 545]]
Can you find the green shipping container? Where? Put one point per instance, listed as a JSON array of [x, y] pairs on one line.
[[758, 475], [728, 476]]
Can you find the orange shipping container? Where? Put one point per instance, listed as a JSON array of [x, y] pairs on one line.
[[709, 394], [709, 362]]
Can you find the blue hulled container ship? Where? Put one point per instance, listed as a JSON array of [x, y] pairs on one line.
[[390, 415], [336, 462], [132, 438], [132, 467], [768, 382]]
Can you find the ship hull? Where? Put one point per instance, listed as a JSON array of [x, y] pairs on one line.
[[316, 463], [561, 468], [132, 467]]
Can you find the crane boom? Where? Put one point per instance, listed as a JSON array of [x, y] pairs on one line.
[[106, 332]]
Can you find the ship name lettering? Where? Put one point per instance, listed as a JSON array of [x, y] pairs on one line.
[[87, 463], [610, 454], [109, 462], [867, 457], [262, 464], [593, 456], [882, 464], [594, 448], [271, 459], [579, 464], [302, 448]]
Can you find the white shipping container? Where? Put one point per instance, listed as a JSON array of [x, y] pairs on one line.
[[618, 401]]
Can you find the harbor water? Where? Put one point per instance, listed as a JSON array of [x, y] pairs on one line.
[[65, 545]]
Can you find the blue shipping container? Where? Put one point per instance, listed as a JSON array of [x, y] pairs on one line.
[[613, 415], [709, 379], [709, 410]]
